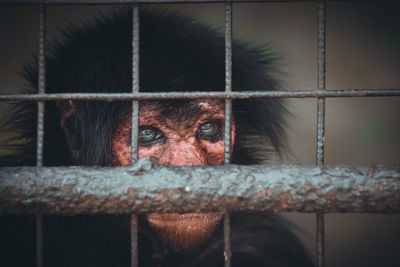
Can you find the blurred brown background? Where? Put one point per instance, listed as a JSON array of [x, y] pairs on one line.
[[363, 41]]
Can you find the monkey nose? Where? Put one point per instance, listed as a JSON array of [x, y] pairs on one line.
[[189, 156]]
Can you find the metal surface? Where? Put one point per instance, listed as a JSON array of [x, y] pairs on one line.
[[103, 2], [41, 83], [228, 81], [199, 94], [40, 121], [227, 240], [135, 124], [134, 241], [147, 187], [228, 118], [320, 157], [39, 240], [135, 82]]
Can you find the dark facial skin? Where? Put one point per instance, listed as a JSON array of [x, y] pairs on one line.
[[192, 140]]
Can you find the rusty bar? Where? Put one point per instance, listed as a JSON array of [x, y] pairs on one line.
[[40, 121], [147, 187], [228, 117], [227, 240], [228, 81], [104, 2], [320, 157], [41, 83], [135, 123], [320, 245], [135, 82], [134, 240], [199, 94], [321, 84], [39, 240]]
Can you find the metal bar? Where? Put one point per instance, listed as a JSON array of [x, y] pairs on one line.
[[228, 81], [196, 95], [228, 118], [135, 123], [103, 2], [40, 121], [39, 240], [321, 84], [41, 83], [227, 240], [135, 82], [320, 231], [134, 241], [146, 187]]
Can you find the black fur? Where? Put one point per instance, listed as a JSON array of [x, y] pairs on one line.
[[176, 54]]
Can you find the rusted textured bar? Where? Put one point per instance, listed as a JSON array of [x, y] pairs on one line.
[[103, 2], [40, 121], [227, 240], [135, 81], [228, 117], [134, 240], [39, 240], [228, 81], [41, 83], [320, 231], [321, 84], [147, 187], [199, 94], [135, 123]]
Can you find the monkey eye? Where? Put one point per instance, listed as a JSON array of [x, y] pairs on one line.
[[210, 130], [149, 135]]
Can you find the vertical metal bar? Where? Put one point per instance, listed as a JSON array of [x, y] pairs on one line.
[[40, 122], [135, 123], [228, 115], [321, 83], [39, 240], [135, 81], [41, 83], [134, 240], [321, 122], [227, 240], [228, 80]]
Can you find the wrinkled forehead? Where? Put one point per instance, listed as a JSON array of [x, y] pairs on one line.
[[181, 109]]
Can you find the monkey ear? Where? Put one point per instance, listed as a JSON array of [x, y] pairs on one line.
[[67, 110]]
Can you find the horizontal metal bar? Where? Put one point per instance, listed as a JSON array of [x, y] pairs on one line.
[[199, 94], [147, 187], [104, 2]]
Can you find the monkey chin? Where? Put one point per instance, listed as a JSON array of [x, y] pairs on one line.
[[184, 231]]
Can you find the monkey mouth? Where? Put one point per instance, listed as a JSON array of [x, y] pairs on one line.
[[168, 219], [184, 231]]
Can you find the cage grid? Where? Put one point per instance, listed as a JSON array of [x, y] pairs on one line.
[[378, 187]]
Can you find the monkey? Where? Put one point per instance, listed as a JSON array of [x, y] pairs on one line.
[[176, 54]]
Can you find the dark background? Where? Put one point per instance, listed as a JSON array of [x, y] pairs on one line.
[[363, 41]]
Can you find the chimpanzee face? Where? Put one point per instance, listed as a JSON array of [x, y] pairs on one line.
[[177, 133]]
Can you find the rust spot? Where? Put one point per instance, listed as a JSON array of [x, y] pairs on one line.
[[130, 193], [285, 198], [265, 193], [330, 196]]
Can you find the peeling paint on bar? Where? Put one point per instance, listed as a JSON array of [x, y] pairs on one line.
[[147, 187], [103, 2], [199, 94]]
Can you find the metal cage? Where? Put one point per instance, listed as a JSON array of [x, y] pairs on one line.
[[362, 189]]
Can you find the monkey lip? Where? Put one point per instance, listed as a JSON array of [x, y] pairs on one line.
[[172, 218]]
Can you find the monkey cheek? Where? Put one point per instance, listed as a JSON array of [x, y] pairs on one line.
[[184, 231]]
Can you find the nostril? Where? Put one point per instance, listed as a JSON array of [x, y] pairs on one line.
[[183, 158]]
